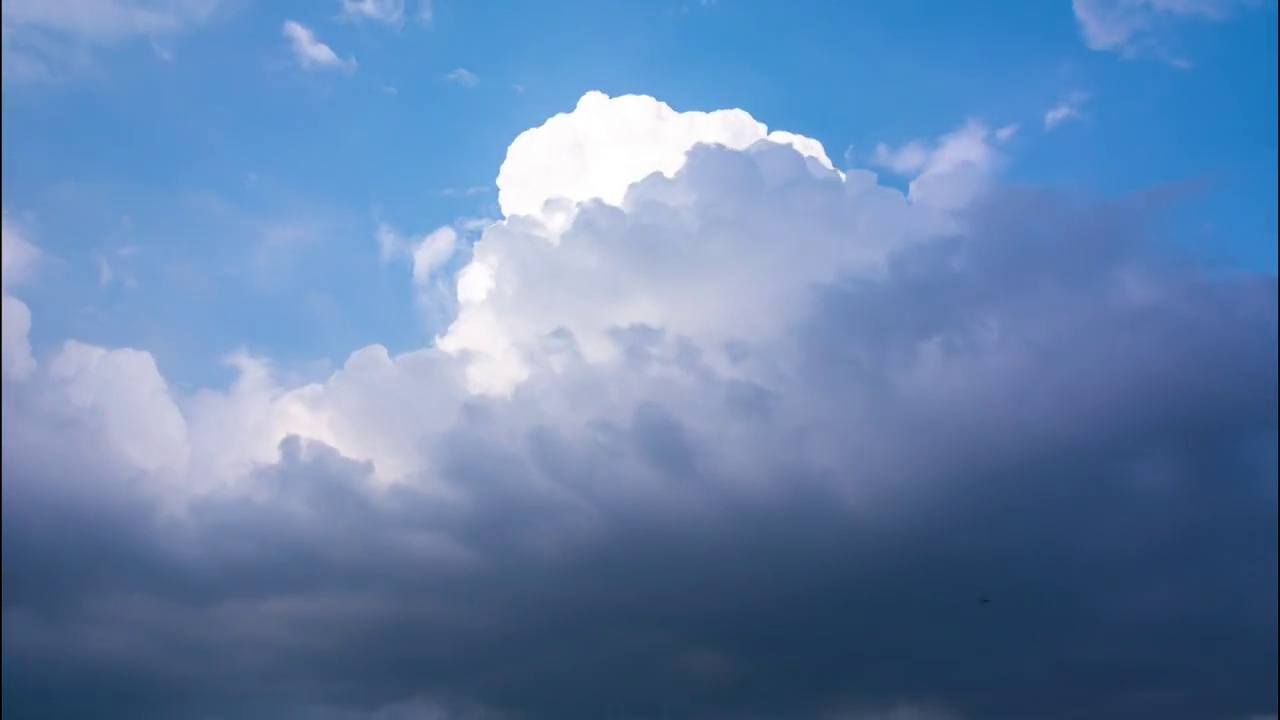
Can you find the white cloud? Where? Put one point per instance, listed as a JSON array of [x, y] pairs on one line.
[[464, 77], [16, 360], [958, 169], [606, 144], [310, 52], [1007, 132], [390, 12], [949, 173], [19, 258], [427, 257], [602, 151], [1141, 27], [1071, 108], [426, 12], [427, 254], [122, 393], [44, 39], [432, 252], [905, 160]]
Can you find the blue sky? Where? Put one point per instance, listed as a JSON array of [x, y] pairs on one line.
[[233, 193]]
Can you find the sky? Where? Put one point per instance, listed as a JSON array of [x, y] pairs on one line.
[[707, 359]]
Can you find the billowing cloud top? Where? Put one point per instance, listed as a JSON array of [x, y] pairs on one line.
[[717, 431], [607, 144]]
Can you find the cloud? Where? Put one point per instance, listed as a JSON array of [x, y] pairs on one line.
[[463, 77], [310, 53], [957, 170], [614, 143], [767, 433], [1071, 108], [19, 257], [46, 39], [905, 160], [948, 173], [390, 12], [1134, 28], [426, 11], [427, 254], [465, 191], [1006, 133]]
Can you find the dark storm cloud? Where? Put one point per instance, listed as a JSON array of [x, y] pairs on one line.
[[1046, 413]]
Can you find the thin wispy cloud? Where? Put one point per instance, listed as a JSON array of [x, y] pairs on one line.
[[463, 77], [1137, 28], [52, 39], [390, 12]]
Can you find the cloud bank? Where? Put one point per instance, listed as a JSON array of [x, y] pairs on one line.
[[717, 431]]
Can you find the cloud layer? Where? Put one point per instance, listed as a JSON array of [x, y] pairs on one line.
[[717, 432]]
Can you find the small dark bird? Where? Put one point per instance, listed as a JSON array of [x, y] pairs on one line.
[[983, 599]]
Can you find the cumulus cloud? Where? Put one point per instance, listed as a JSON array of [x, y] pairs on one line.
[[717, 432], [1071, 108], [1142, 27], [44, 39], [310, 52]]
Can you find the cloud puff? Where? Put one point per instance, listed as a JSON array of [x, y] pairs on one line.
[[904, 160], [1137, 27], [1071, 108], [950, 172], [767, 434], [44, 39], [310, 52], [428, 258]]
